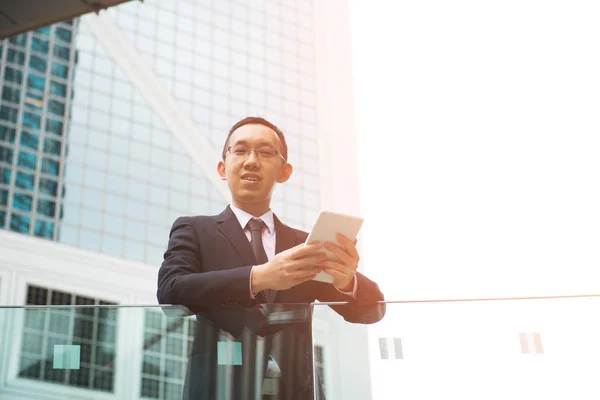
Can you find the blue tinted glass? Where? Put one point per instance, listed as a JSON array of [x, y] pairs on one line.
[[46, 207], [9, 114], [6, 154], [30, 140], [13, 75], [3, 197], [56, 107], [20, 40], [50, 167], [60, 70], [20, 223], [34, 102], [7, 134], [24, 181], [44, 229], [5, 174], [62, 52], [22, 201], [39, 45], [36, 82], [45, 31], [58, 89], [54, 126], [63, 34], [38, 63], [2, 219], [27, 160], [49, 187], [15, 56], [32, 120], [11, 94], [52, 146]]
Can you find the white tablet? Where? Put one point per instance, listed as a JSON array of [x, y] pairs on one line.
[[325, 229]]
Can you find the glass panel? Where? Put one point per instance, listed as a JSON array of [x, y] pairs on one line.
[[48, 187], [13, 75], [30, 140], [10, 94], [36, 82], [19, 223], [470, 349], [22, 201], [27, 160], [5, 175], [63, 34], [31, 120], [6, 154], [60, 70], [62, 52], [52, 146], [24, 180], [58, 89], [54, 126], [15, 56], [9, 114], [7, 134], [38, 64]]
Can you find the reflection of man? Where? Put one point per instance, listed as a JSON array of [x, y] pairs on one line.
[[246, 256]]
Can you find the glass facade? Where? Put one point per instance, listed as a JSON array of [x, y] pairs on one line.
[[35, 79], [85, 161]]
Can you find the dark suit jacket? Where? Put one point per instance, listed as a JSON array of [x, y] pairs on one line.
[[206, 268]]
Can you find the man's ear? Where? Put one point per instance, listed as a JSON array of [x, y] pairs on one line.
[[286, 172], [221, 170]]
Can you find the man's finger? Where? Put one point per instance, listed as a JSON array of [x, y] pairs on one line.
[[342, 268], [303, 279], [337, 275], [340, 253], [305, 249], [349, 246], [308, 261]]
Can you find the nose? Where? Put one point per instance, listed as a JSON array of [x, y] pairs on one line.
[[252, 158]]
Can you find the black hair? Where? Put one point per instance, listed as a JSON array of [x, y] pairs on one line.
[[260, 121]]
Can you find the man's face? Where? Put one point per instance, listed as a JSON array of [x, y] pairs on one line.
[[251, 178]]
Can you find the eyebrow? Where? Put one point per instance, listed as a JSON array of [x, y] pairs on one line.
[[260, 144]]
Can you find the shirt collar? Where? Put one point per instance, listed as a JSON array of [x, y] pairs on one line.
[[243, 217]]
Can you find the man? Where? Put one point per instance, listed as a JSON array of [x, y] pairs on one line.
[[246, 256]]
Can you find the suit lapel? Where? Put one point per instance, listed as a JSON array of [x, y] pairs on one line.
[[230, 227], [285, 236]]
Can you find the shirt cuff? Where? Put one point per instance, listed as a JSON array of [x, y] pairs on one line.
[[252, 295], [351, 293]]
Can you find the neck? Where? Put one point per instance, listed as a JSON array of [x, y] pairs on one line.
[[255, 209]]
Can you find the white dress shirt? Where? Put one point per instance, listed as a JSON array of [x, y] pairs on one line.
[[268, 239]]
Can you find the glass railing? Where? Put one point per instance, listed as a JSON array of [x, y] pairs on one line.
[[529, 348], [517, 349], [120, 352]]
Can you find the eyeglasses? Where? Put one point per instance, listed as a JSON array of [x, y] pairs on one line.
[[263, 153]]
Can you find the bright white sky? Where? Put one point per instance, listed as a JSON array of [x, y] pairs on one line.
[[479, 141]]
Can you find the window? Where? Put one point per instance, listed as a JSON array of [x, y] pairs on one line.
[[531, 343], [390, 349], [167, 343], [92, 329], [320, 367]]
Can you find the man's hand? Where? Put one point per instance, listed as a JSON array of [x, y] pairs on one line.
[[344, 268], [288, 268]]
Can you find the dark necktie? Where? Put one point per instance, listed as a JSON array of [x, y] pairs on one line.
[[256, 226]]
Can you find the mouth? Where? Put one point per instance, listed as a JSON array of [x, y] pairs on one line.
[[251, 178]]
